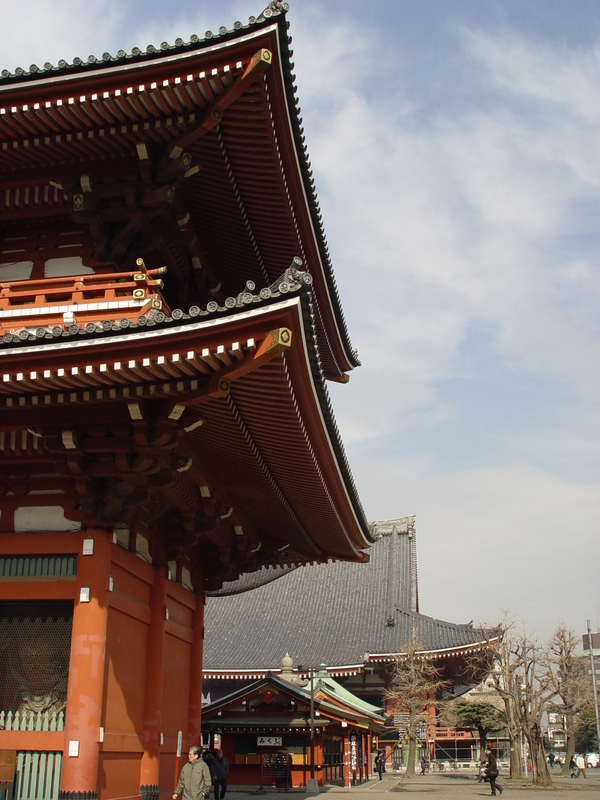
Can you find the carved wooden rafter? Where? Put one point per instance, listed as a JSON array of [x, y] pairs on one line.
[[135, 464], [139, 209]]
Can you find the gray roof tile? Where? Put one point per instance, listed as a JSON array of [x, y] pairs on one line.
[[331, 613]]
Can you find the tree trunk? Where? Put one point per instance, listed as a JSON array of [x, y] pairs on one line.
[[412, 753], [516, 754], [570, 745], [412, 738], [541, 776], [482, 741]]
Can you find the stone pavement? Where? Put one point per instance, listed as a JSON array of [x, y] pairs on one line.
[[451, 786]]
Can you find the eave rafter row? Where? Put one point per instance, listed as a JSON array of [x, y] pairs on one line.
[[240, 203], [126, 108], [197, 374], [310, 448], [187, 106], [269, 475], [323, 327]]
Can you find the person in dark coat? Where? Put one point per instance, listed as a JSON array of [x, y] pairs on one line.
[[572, 766], [491, 770], [207, 757], [219, 770]]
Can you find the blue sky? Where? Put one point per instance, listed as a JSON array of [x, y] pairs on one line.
[[455, 151]]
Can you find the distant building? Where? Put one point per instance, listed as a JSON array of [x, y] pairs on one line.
[[264, 731], [354, 618], [557, 737], [585, 640]]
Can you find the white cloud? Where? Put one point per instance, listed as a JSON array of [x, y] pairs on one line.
[[514, 537], [469, 217], [474, 215], [462, 217], [50, 31], [541, 73]]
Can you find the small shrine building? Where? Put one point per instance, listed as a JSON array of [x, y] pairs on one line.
[[264, 730], [169, 320]]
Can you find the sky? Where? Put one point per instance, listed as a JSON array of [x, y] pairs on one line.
[[455, 151]]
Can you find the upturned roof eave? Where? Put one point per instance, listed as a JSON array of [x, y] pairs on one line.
[[299, 693], [296, 307], [442, 652], [273, 24]]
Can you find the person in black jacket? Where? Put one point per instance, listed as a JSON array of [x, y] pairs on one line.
[[491, 770], [219, 770]]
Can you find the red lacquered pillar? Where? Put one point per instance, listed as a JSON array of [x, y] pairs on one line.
[[83, 717], [347, 767], [195, 715], [154, 682]]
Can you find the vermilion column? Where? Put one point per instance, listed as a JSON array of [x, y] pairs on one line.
[[195, 714], [319, 759], [346, 759], [86, 668], [154, 680]]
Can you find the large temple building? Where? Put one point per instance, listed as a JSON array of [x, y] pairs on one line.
[[351, 621], [169, 320]]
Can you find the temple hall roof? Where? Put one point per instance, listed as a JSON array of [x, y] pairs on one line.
[[336, 613]]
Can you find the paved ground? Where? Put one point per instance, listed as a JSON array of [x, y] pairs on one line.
[[453, 787]]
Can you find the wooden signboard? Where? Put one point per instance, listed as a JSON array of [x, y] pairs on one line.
[[7, 768]]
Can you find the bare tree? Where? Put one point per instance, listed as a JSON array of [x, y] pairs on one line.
[[522, 678], [415, 689], [504, 675], [536, 692], [568, 676]]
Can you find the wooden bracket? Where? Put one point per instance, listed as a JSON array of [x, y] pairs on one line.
[[258, 65], [274, 344]]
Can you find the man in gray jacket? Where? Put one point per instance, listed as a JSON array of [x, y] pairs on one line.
[[194, 779]]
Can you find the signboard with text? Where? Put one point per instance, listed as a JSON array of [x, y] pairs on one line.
[[269, 741]]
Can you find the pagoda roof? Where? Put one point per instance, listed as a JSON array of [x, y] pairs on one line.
[[341, 614], [191, 409], [243, 395], [247, 204]]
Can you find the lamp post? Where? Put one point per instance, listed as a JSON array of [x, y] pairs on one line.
[[312, 724], [589, 627], [312, 785]]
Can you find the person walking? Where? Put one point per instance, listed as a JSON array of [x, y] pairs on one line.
[[580, 765], [572, 766], [194, 779], [219, 770], [379, 764], [482, 770], [492, 772], [207, 757]]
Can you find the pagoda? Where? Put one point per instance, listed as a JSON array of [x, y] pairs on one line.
[[169, 319]]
